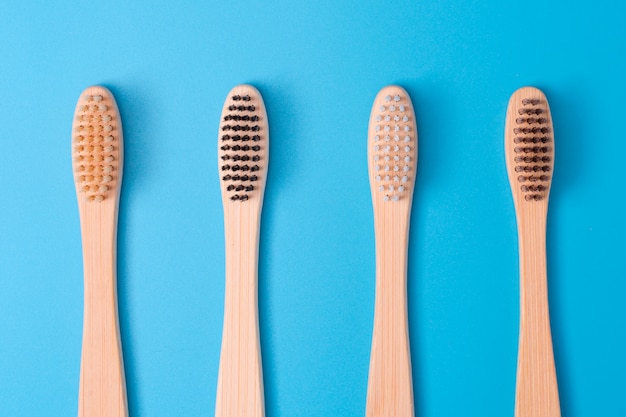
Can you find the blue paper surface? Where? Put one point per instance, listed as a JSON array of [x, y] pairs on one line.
[[319, 66]]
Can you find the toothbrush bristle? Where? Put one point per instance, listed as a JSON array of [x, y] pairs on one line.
[[96, 144], [243, 142], [532, 153], [392, 144]]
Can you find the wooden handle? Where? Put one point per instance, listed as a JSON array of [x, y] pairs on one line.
[[102, 390], [390, 387], [537, 392], [240, 381]]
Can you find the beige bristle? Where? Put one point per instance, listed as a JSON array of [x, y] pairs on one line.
[[97, 133]]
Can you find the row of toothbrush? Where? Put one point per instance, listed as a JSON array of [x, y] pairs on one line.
[[243, 151]]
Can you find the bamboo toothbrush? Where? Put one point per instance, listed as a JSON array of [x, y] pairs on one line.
[[243, 151], [97, 151], [392, 162], [529, 148]]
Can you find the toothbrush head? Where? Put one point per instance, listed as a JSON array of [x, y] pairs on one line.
[[243, 145], [529, 145], [392, 146], [97, 145]]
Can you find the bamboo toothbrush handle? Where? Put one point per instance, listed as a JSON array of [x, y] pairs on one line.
[[536, 392], [240, 382], [102, 391], [390, 387]]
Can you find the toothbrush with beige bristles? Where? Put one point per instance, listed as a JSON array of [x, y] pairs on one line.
[[243, 152], [392, 162], [529, 148], [97, 150]]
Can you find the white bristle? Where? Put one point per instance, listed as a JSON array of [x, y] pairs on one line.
[[382, 108], [392, 108], [407, 159], [407, 128], [405, 178], [387, 138], [396, 128], [396, 168], [377, 128], [396, 98], [386, 198], [402, 108], [386, 168], [407, 138], [386, 177], [406, 168], [378, 178], [401, 188], [395, 198], [387, 118], [396, 138], [381, 188], [376, 157], [396, 178], [387, 98], [376, 138], [378, 118], [405, 119]]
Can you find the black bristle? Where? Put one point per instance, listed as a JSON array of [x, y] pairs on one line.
[[245, 148], [255, 128], [245, 138], [254, 168], [225, 167], [226, 178], [256, 138], [236, 98], [249, 188], [236, 168], [254, 178], [226, 127], [256, 148], [230, 187], [235, 197], [245, 168], [244, 197], [225, 147], [246, 98], [254, 118], [225, 137], [225, 157]]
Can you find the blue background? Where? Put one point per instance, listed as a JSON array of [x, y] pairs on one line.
[[319, 66]]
